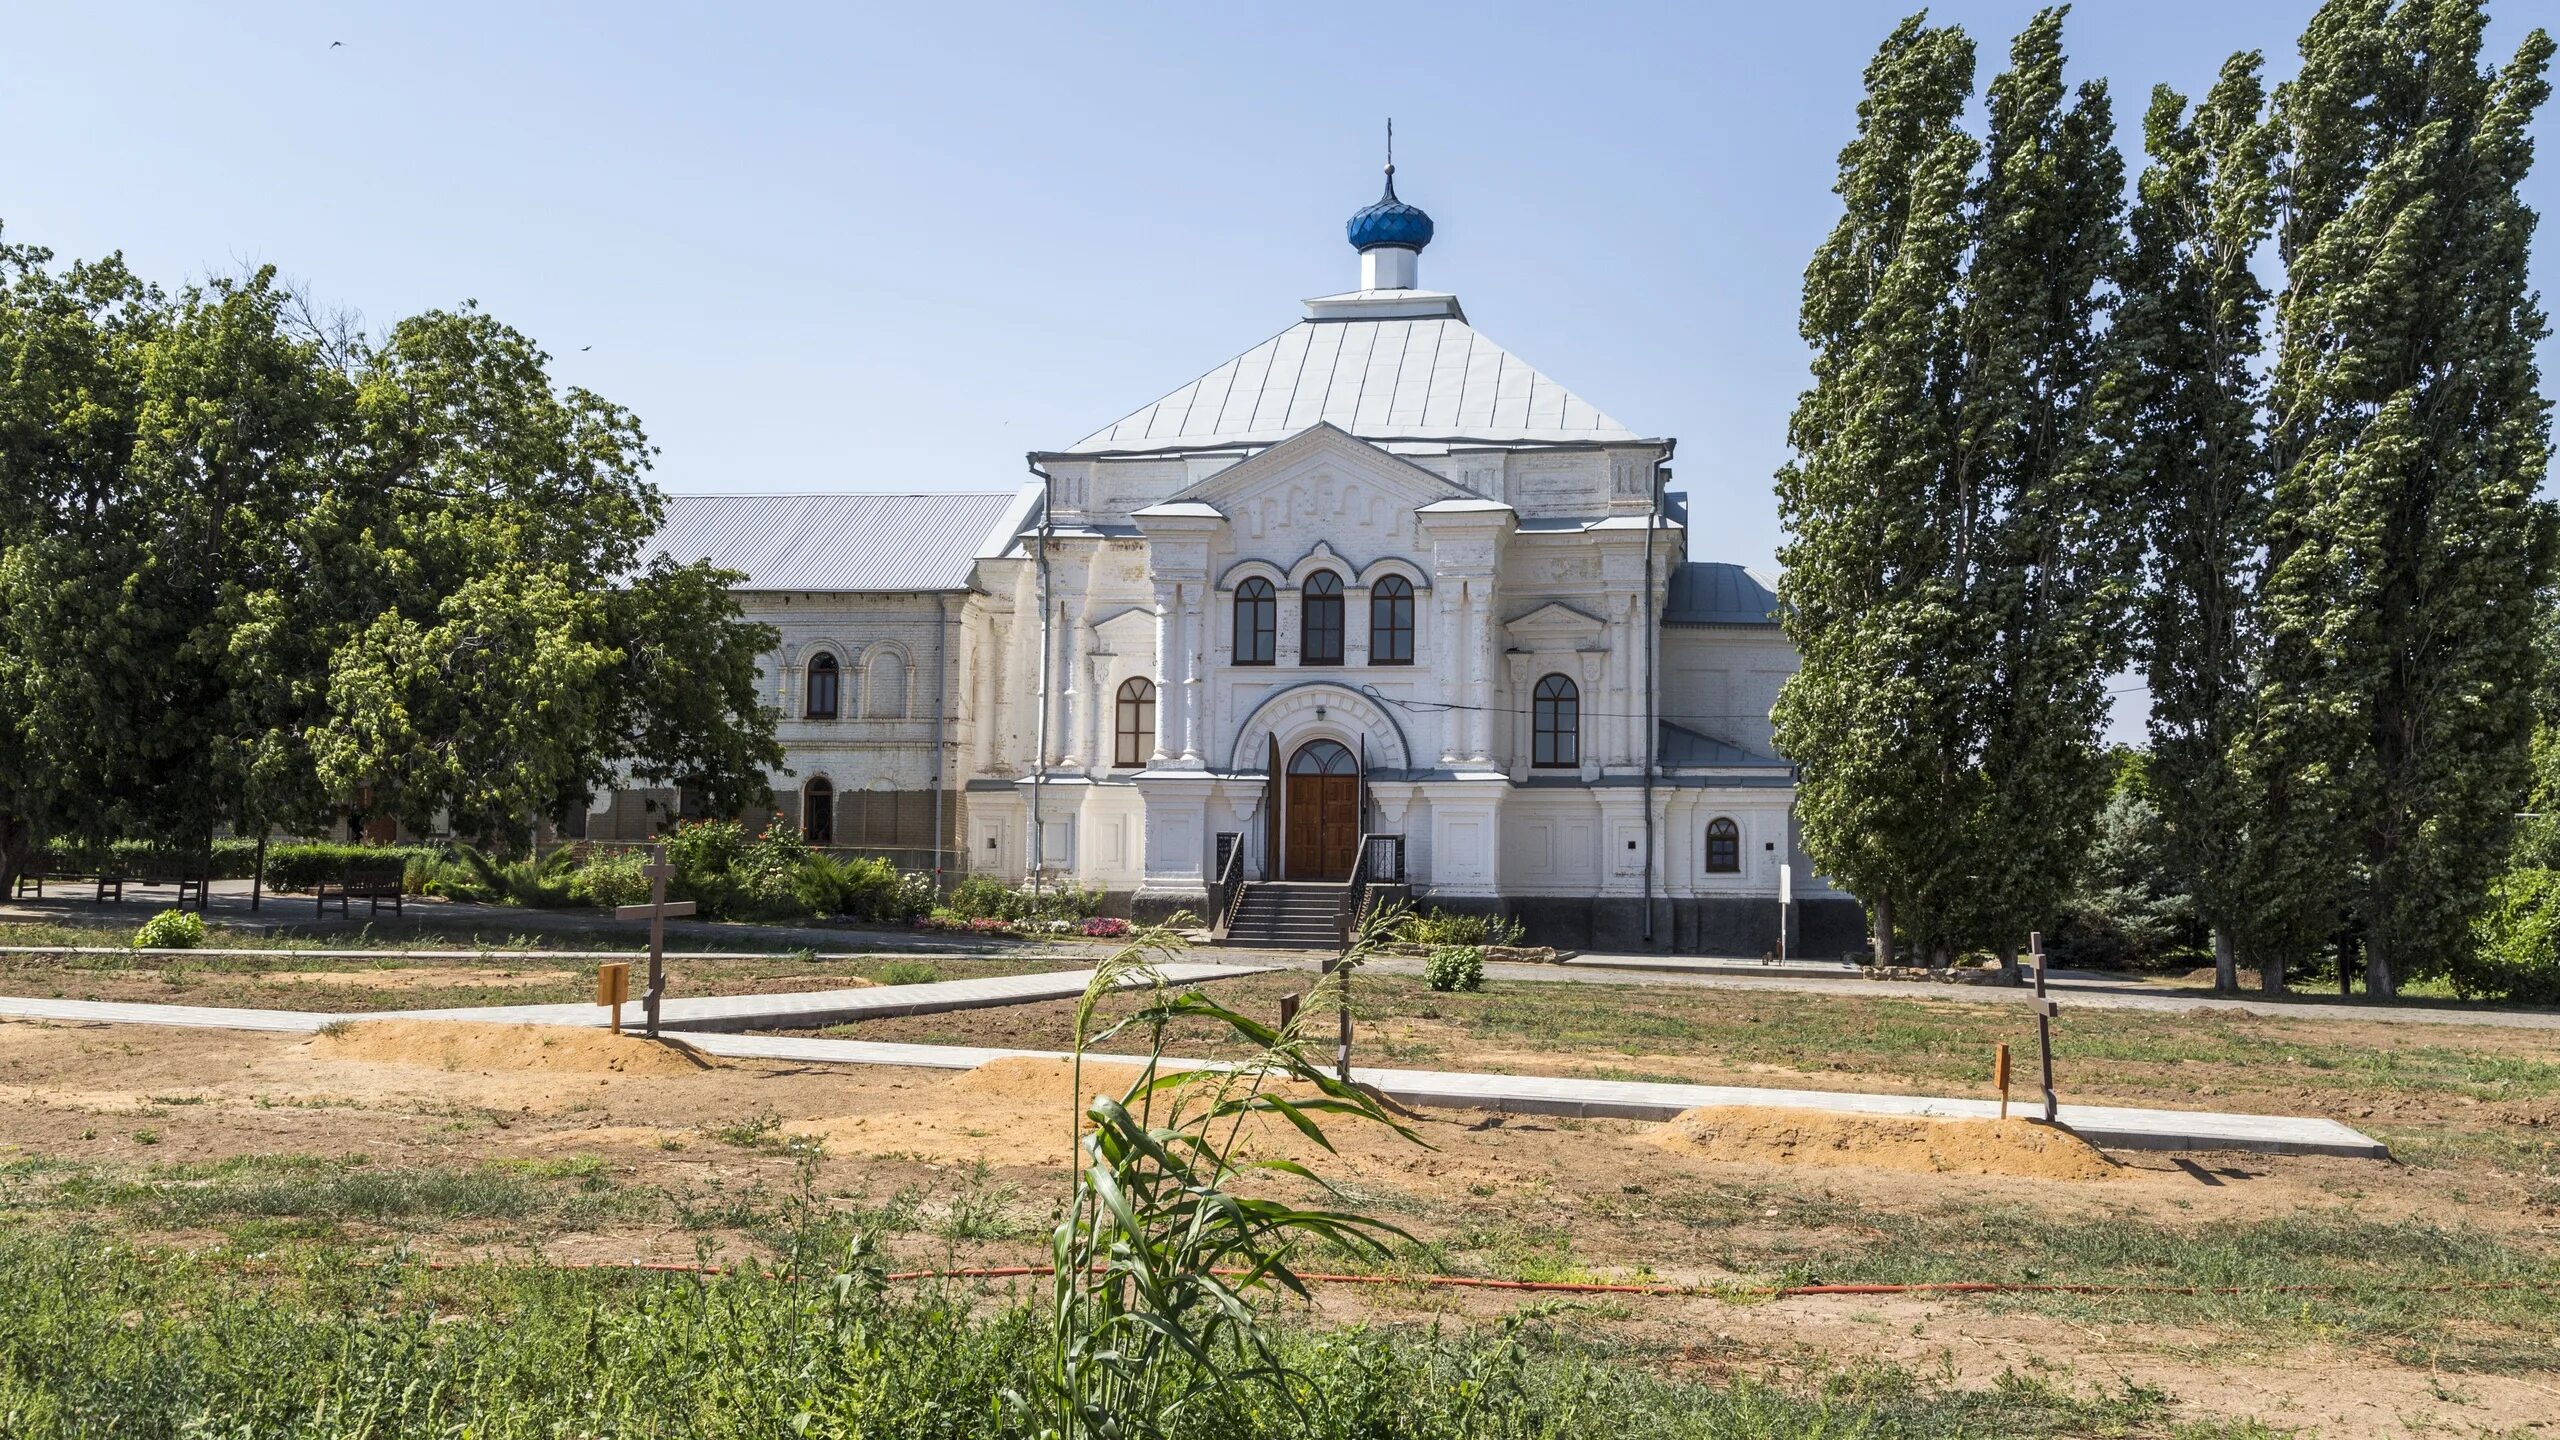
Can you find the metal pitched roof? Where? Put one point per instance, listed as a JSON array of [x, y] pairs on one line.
[[843, 542], [1707, 592], [1430, 378]]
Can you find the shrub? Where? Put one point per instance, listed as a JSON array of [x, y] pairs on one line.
[[985, 897], [611, 878], [302, 866], [1443, 927], [170, 930], [908, 972], [2515, 942], [1455, 967]]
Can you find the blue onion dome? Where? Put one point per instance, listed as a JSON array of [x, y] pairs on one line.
[[1389, 222]]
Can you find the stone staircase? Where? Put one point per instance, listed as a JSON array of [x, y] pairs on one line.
[[1287, 915]]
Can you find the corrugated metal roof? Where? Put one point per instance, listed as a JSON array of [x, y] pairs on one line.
[[1707, 592], [1682, 746], [1432, 378], [844, 542]]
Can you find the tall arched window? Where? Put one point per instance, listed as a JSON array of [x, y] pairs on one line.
[[1320, 619], [1257, 622], [825, 686], [1556, 714], [884, 686], [818, 811], [1137, 728], [1391, 621], [1724, 847]]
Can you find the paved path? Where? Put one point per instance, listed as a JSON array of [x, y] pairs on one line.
[[2125, 1129], [813, 1009], [2096, 994]]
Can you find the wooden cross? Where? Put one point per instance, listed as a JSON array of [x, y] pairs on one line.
[[656, 913], [2046, 1009]]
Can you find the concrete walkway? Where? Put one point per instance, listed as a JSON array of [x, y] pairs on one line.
[[814, 1009], [2116, 1128]]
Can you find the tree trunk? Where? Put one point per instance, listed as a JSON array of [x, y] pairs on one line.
[[17, 844], [2226, 965], [2377, 969], [2009, 964], [2271, 973], [1883, 921]]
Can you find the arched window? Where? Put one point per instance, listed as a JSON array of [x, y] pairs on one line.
[[1556, 714], [1257, 622], [1724, 847], [1391, 621], [825, 686], [1320, 619], [818, 811], [1137, 723], [884, 686]]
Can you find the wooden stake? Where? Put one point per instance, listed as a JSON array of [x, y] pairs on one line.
[[1288, 1011], [2045, 1011], [2000, 1075]]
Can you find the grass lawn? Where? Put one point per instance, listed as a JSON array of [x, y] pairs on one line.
[[303, 978]]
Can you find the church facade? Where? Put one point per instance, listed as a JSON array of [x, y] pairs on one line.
[[1375, 593]]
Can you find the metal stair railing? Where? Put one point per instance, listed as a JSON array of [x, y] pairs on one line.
[[1231, 886]]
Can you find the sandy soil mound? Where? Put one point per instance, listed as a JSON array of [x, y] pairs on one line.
[[471, 1045], [1756, 1135], [1042, 1085]]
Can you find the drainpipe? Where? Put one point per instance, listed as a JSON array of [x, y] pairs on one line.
[[941, 723], [1652, 737], [1040, 759]]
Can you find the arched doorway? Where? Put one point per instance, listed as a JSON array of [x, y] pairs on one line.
[[1322, 812]]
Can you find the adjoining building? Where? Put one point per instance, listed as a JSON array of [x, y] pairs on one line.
[[1374, 593]]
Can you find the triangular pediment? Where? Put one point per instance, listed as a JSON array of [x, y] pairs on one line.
[[1555, 626], [1309, 454]]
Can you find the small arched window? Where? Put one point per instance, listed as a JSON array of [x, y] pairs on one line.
[[826, 681], [1320, 619], [818, 811], [1137, 727], [1724, 847], [1556, 715], [1257, 622], [1391, 621], [884, 687]]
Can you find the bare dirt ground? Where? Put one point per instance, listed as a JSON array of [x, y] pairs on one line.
[[597, 1150]]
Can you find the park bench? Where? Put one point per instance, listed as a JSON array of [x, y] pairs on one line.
[[372, 881], [108, 880], [188, 876]]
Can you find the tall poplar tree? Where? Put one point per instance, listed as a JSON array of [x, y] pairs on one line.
[[2045, 555], [2185, 403], [1867, 595], [1957, 560], [2405, 545]]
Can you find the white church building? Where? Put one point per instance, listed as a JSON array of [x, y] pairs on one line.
[[1374, 599]]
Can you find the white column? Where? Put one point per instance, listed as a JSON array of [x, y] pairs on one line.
[[1480, 601], [1073, 692], [1168, 691], [1104, 713], [1453, 671], [1187, 623]]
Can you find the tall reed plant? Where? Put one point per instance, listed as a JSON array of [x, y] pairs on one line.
[[1160, 1267]]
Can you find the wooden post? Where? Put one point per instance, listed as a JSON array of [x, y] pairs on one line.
[[1342, 1046], [656, 913], [1288, 1011], [2045, 1010], [613, 986], [2000, 1075]]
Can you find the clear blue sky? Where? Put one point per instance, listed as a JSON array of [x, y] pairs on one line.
[[896, 247]]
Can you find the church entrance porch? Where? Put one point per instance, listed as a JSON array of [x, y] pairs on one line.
[[1320, 812]]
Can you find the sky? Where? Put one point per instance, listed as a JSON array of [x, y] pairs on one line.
[[873, 247]]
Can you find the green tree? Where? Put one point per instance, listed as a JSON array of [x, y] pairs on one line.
[[2405, 545], [517, 648], [2184, 403], [1867, 594], [2046, 554], [1957, 561]]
